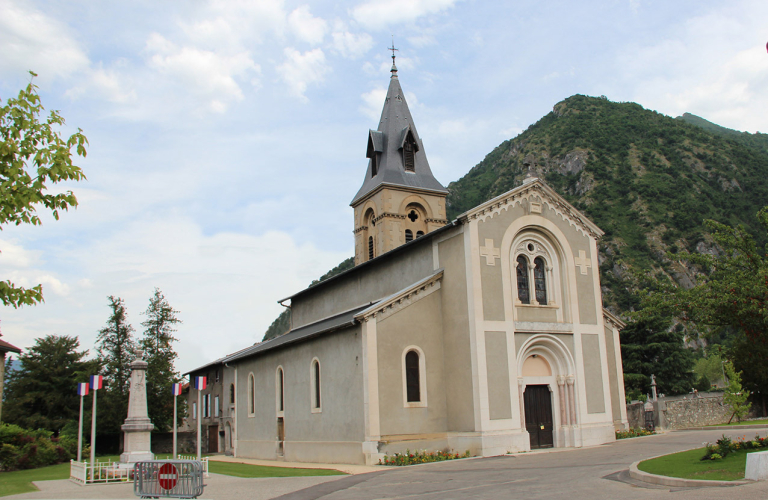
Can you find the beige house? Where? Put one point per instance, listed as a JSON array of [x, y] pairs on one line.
[[486, 333]]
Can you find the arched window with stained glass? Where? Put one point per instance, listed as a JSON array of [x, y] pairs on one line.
[[523, 289]]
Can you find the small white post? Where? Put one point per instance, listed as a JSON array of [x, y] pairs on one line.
[[199, 430], [174, 427], [93, 431], [80, 433]]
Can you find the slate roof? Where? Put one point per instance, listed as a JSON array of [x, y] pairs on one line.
[[388, 140], [6, 347]]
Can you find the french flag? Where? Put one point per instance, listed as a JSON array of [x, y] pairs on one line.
[[82, 389], [200, 383], [176, 389], [97, 382]]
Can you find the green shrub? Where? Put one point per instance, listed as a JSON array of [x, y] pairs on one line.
[[703, 384], [10, 434], [9, 456], [631, 433], [420, 457], [27, 449]]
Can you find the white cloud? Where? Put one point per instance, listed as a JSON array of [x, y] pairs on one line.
[[378, 14], [306, 27], [30, 40], [373, 101], [109, 84], [211, 75], [233, 24], [302, 69], [15, 256], [351, 45]]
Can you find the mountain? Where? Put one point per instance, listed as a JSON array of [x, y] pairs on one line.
[[646, 179], [756, 140]]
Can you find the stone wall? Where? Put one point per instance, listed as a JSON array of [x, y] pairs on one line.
[[636, 415]]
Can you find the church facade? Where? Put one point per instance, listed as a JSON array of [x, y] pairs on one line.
[[485, 333]]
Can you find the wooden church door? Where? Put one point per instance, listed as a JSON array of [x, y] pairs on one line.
[[538, 416]]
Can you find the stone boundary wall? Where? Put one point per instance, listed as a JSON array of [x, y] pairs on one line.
[[162, 442], [683, 412], [636, 415]]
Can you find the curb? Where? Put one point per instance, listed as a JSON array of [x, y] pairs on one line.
[[723, 427], [647, 477]]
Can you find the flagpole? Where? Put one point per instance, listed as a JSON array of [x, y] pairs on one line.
[[174, 425], [80, 433], [199, 414], [93, 431]]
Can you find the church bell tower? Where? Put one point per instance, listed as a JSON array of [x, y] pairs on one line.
[[400, 200]]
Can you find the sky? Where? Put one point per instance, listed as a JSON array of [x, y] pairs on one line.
[[227, 137]]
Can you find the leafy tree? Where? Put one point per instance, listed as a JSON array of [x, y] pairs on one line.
[[42, 393], [157, 343], [116, 348], [703, 384], [735, 395], [710, 367], [731, 295], [32, 155], [650, 346]]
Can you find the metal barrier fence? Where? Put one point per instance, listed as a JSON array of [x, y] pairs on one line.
[[168, 479]]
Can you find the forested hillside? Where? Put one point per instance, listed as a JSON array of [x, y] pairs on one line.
[[646, 179]]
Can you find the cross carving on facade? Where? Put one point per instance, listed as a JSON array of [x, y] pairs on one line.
[[490, 253], [582, 262]]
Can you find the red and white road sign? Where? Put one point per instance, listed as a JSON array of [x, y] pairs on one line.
[[167, 476]]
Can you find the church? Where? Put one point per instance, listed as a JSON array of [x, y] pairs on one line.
[[485, 333]]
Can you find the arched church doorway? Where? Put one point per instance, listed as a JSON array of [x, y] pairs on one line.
[[538, 416]]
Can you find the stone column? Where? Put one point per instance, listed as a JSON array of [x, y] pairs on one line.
[[572, 399], [137, 427], [561, 392]]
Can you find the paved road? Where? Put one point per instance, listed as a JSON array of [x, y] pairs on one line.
[[589, 473]]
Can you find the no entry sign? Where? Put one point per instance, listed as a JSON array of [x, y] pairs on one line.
[[167, 476]]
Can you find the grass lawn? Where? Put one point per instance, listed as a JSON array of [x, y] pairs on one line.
[[687, 465], [20, 481], [763, 421], [248, 470]]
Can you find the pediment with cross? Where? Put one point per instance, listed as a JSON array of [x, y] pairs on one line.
[[582, 262]]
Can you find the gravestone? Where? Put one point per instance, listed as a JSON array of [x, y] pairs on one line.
[[137, 428]]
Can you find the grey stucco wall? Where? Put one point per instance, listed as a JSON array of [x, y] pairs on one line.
[[419, 324], [341, 379], [593, 373], [613, 375], [374, 281], [458, 373], [497, 362]]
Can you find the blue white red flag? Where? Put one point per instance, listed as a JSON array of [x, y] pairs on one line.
[[82, 389], [97, 382], [177, 389], [201, 383]]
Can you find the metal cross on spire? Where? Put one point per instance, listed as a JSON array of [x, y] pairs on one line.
[[393, 49]]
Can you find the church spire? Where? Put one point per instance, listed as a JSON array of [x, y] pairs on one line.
[[400, 200], [395, 150]]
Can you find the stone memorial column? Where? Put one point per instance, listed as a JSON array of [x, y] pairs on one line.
[[137, 427]]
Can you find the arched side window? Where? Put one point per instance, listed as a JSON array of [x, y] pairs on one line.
[[231, 394], [280, 391], [370, 247], [419, 234], [251, 395], [523, 290], [539, 279], [414, 378], [315, 379], [408, 236]]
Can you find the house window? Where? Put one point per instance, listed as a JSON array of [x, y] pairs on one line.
[[194, 410], [251, 395], [539, 273], [280, 386], [523, 292], [206, 405], [231, 394], [374, 165], [370, 247], [217, 376], [409, 153], [315, 376], [216, 408], [408, 235]]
